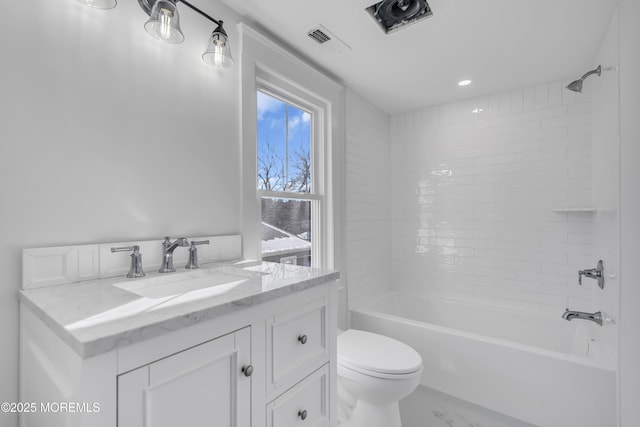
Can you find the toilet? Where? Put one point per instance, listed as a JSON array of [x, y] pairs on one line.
[[374, 373]]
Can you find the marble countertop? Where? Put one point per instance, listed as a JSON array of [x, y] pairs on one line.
[[94, 317]]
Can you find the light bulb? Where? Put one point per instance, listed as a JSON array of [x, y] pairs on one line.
[[164, 19], [99, 4]]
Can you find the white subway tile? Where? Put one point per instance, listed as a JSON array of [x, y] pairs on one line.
[[517, 101], [555, 94], [529, 100], [568, 97], [472, 197], [542, 96], [505, 104]]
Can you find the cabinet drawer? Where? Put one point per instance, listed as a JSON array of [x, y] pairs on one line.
[[305, 405], [297, 344]]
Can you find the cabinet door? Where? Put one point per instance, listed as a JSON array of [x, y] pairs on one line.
[[201, 386]]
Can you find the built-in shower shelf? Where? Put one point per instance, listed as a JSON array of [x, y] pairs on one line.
[[585, 210]]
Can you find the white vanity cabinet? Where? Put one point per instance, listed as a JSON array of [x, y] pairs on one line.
[[194, 375], [195, 387]]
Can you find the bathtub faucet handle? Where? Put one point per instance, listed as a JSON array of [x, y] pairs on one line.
[[594, 273]]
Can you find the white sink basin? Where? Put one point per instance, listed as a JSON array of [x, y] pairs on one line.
[[180, 283]]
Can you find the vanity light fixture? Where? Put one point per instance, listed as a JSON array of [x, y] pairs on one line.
[[164, 24], [100, 4]]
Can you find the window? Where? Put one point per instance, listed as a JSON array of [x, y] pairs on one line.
[[287, 183], [268, 69]]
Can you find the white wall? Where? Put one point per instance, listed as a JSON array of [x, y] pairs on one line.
[[473, 198], [629, 374], [108, 135], [368, 203]]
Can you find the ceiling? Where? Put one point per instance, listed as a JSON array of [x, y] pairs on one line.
[[498, 44]]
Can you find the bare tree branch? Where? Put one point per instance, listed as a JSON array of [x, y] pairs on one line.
[[270, 168], [302, 166]]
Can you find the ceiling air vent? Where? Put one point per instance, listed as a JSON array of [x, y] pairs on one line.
[[318, 35], [326, 39], [392, 15]]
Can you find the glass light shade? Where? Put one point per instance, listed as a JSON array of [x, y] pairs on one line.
[[99, 4], [218, 52], [164, 22]]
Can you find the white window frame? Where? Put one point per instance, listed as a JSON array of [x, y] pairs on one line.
[[317, 197], [265, 62]]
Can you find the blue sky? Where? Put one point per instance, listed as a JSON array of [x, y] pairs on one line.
[[273, 120]]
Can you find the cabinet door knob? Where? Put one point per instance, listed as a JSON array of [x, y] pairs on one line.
[[247, 370], [302, 339], [302, 414]]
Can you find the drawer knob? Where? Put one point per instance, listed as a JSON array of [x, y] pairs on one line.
[[302, 414], [302, 339], [247, 370]]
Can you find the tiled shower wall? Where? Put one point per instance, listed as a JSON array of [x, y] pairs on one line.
[[368, 200], [475, 186], [605, 178]]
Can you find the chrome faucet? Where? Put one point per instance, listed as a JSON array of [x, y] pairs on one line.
[[167, 253], [594, 317]]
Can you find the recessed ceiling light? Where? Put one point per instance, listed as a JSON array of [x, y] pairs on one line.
[[464, 82]]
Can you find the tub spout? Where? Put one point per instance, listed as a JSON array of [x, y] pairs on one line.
[[594, 317]]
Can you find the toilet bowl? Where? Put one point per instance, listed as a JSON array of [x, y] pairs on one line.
[[374, 373]]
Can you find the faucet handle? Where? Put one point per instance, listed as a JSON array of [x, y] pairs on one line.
[[135, 269], [193, 253], [181, 241], [594, 273]]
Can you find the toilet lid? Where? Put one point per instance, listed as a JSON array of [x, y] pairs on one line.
[[362, 350]]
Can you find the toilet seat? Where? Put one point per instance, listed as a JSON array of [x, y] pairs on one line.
[[377, 355]]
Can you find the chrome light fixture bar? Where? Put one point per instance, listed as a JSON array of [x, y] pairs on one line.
[[164, 24]]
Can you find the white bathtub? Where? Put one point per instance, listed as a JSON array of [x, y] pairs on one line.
[[538, 368]]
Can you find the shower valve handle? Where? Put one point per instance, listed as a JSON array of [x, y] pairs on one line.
[[594, 273]]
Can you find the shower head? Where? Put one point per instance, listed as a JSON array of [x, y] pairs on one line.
[[576, 85]]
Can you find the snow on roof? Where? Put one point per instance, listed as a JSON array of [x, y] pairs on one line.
[[275, 240]]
